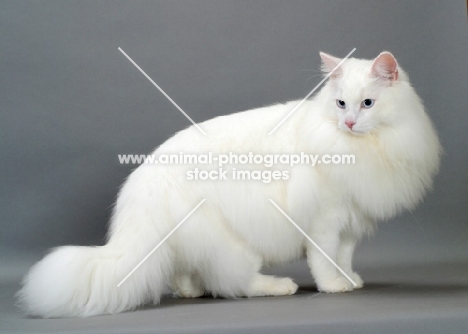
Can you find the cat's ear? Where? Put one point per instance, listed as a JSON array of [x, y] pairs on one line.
[[385, 67], [329, 63]]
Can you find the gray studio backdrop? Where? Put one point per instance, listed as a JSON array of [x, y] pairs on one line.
[[70, 102]]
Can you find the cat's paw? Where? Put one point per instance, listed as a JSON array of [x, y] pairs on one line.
[[358, 280], [189, 293], [338, 284], [264, 285], [285, 286], [189, 287]]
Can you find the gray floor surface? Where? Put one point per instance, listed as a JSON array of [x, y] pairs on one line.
[[422, 298]]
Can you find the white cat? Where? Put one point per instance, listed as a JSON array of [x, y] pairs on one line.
[[367, 108]]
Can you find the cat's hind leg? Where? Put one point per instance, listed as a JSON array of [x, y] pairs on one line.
[[228, 266], [236, 272]]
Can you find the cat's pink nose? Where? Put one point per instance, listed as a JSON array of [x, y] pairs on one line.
[[350, 124]]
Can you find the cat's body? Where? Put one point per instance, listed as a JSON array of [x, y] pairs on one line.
[[222, 246]]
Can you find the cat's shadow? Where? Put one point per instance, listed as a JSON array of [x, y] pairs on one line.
[[374, 289], [409, 289]]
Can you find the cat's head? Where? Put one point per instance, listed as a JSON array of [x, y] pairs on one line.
[[360, 91]]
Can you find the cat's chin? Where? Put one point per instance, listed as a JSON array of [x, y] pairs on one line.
[[357, 133]]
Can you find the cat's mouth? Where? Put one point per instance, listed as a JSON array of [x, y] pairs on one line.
[[354, 131]]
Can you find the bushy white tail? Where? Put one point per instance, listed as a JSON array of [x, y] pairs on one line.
[[76, 281]]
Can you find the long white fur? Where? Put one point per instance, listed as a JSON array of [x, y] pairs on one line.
[[223, 245]]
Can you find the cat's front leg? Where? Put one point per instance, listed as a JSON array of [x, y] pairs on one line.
[[345, 257], [327, 277]]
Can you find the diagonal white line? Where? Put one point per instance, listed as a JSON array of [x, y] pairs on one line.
[[313, 243], [162, 91], [160, 243], [312, 91]]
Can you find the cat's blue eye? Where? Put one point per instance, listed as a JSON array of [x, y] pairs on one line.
[[367, 103], [341, 104]]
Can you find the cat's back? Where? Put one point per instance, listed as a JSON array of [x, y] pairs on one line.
[[242, 132]]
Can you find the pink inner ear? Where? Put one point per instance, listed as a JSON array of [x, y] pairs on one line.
[[385, 66], [329, 63]]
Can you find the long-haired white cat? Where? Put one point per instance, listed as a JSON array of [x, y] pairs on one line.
[[367, 108]]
